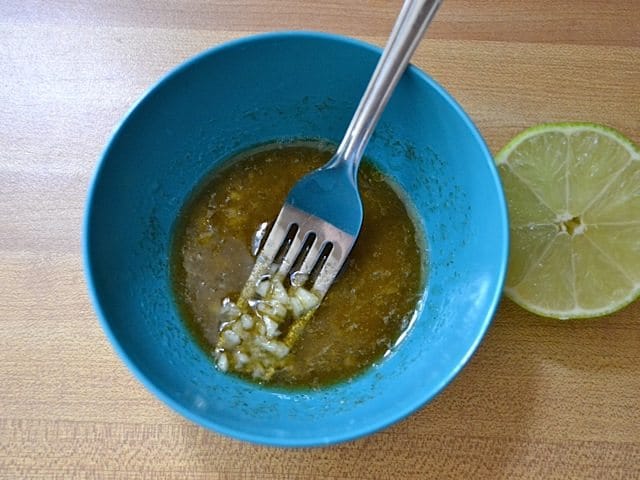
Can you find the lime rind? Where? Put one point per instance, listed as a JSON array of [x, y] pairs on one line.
[[572, 314], [626, 287], [567, 127]]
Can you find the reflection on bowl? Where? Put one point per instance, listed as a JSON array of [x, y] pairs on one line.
[[287, 86]]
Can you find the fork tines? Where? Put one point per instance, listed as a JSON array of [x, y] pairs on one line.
[[304, 249]]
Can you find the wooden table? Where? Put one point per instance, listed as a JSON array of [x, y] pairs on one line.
[[540, 399]]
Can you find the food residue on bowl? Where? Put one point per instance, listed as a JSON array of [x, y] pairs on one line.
[[372, 302]]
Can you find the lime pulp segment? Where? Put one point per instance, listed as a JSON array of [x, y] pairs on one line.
[[573, 191]]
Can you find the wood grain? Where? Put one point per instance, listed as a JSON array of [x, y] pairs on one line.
[[541, 399]]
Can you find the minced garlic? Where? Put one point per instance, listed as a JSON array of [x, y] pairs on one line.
[[251, 339]]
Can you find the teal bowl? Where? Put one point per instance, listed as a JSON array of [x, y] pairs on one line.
[[287, 86]]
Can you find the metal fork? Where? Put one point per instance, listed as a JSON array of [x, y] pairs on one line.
[[322, 215]]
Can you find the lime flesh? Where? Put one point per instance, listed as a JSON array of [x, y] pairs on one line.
[[573, 191]]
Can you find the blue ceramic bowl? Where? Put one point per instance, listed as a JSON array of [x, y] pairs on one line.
[[291, 86]]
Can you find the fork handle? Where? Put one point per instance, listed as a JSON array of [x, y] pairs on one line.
[[407, 32]]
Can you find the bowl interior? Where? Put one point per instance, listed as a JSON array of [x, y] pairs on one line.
[[291, 86]]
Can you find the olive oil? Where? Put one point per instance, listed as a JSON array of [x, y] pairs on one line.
[[371, 303]]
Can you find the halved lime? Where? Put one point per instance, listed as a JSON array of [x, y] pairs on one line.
[[573, 191]]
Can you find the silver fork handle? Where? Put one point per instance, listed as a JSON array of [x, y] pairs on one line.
[[407, 32]]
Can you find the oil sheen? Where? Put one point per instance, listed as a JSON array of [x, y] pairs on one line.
[[372, 302]]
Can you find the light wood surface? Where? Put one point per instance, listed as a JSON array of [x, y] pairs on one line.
[[541, 399]]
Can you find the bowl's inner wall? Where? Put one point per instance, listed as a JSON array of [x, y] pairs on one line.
[[288, 88]]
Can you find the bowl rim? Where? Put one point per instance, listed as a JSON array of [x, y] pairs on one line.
[[290, 441]]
